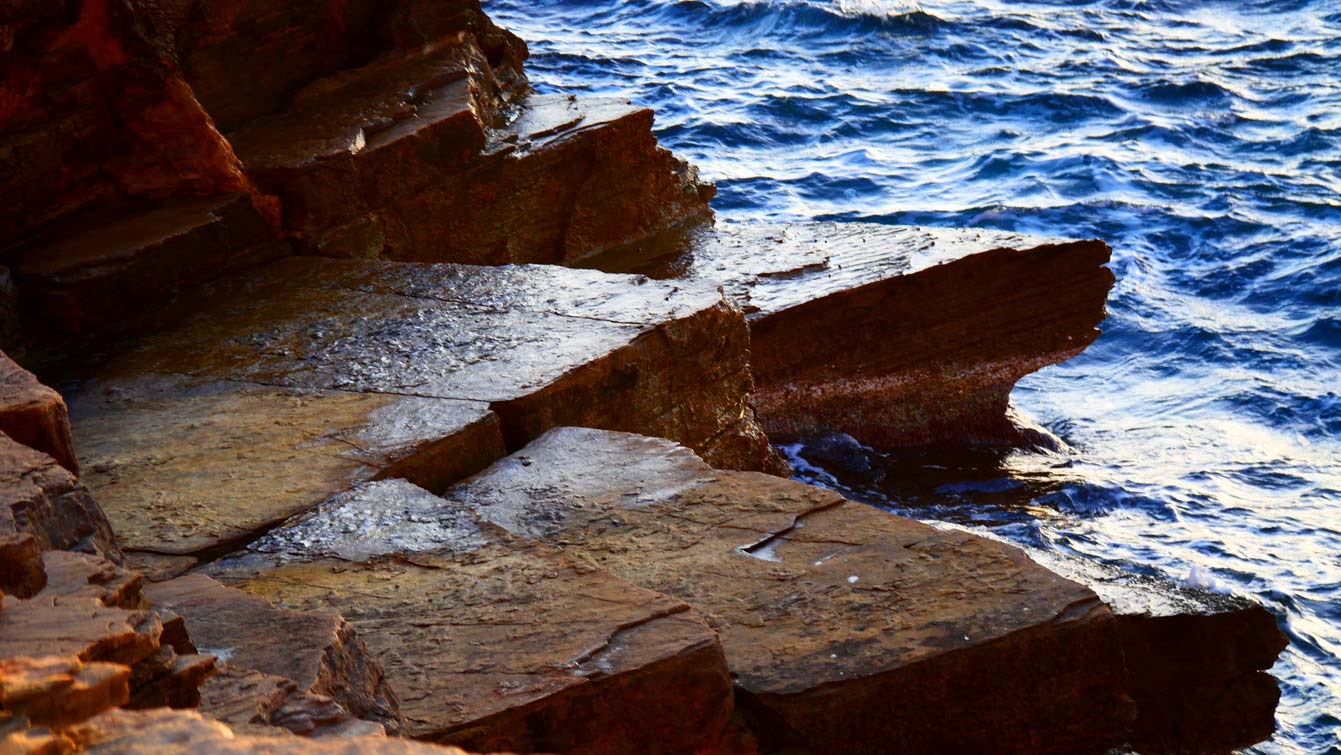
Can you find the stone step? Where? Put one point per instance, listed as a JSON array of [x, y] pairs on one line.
[[107, 270], [845, 628], [492, 643], [296, 381], [897, 336], [405, 159]]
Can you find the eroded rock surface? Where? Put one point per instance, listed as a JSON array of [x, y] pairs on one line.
[[844, 627], [34, 415], [897, 336], [39, 497], [323, 374], [493, 643], [320, 653]]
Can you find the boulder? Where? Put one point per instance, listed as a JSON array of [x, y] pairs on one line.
[[252, 702], [34, 415], [845, 628], [492, 643], [323, 374], [897, 336]]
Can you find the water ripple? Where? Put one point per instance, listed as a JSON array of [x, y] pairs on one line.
[[1202, 139]]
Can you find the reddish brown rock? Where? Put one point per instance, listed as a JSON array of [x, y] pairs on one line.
[[80, 575], [95, 113], [845, 628], [57, 691], [492, 643], [34, 415], [21, 572], [897, 336], [1197, 661], [38, 497], [321, 652], [397, 161], [170, 732], [92, 273]]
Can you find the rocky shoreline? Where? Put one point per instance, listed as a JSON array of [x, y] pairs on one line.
[[385, 406]]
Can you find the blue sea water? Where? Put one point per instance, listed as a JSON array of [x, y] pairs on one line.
[[1201, 139]]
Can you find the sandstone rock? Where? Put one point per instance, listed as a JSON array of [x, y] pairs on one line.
[[58, 691], [397, 160], [38, 497], [845, 628], [34, 415], [897, 336], [1197, 661], [320, 652], [97, 115], [252, 702], [170, 732], [492, 643], [324, 373], [21, 572], [79, 280], [79, 575]]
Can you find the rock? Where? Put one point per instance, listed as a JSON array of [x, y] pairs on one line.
[[11, 325], [321, 652], [171, 732], [252, 702], [97, 117], [21, 572], [897, 336], [93, 610], [845, 628], [57, 691], [89, 275], [397, 160], [325, 373], [1197, 660], [38, 497], [34, 415], [492, 643]]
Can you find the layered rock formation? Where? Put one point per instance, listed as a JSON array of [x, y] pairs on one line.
[[897, 336], [178, 179]]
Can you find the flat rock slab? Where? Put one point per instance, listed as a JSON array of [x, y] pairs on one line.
[[845, 628], [41, 498], [34, 415], [898, 336], [301, 379], [57, 691], [319, 652], [493, 643]]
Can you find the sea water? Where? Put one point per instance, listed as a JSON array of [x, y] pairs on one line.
[[1201, 139]]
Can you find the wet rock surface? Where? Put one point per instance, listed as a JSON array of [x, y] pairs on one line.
[[325, 373], [493, 643], [897, 336], [843, 627]]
